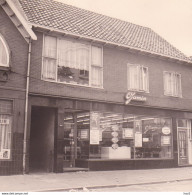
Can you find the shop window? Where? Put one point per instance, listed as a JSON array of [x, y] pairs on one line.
[[118, 136], [72, 62], [4, 53], [5, 129], [172, 84], [138, 78]]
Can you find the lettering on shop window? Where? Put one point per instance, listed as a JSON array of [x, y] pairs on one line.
[[131, 96]]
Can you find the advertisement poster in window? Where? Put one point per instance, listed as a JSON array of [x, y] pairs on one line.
[[165, 140], [94, 137], [127, 133], [138, 140], [95, 128]]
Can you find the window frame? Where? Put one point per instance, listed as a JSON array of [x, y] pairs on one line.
[[174, 76], [140, 78], [2, 39], [90, 61], [10, 114]]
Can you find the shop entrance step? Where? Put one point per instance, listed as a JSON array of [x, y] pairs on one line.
[[74, 169]]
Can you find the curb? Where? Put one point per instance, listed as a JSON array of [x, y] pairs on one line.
[[89, 188]]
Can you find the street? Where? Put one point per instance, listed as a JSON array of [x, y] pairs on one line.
[[180, 186]]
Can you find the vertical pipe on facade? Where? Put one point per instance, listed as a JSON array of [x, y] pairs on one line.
[[26, 109]]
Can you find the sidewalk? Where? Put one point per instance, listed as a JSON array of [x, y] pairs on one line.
[[66, 181]]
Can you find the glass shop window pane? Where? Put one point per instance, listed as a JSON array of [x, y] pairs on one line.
[[156, 138]]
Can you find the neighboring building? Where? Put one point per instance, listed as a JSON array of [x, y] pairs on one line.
[[104, 94]]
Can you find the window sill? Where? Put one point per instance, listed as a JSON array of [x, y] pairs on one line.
[[173, 96], [5, 68], [139, 91], [74, 85]]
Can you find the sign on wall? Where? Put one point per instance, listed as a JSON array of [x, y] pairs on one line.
[[132, 96]]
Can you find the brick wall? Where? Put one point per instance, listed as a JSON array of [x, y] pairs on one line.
[[115, 79], [14, 89]]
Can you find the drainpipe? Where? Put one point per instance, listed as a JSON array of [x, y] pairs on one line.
[[26, 109]]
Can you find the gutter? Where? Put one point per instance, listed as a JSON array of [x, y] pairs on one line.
[[26, 109]]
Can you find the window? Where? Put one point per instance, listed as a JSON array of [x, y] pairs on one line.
[[4, 53], [138, 78], [172, 84], [5, 128], [104, 135], [72, 62]]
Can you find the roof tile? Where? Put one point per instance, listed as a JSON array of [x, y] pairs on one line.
[[60, 16]]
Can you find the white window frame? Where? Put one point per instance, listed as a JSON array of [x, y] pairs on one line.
[[6, 50], [140, 78], [90, 62], [174, 92], [7, 121]]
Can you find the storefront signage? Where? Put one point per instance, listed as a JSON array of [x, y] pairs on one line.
[[166, 130], [131, 96], [4, 121]]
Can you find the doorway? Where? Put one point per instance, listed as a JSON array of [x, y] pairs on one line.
[[184, 142], [76, 139], [41, 149]]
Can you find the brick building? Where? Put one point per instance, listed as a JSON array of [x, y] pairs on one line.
[[103, 94]]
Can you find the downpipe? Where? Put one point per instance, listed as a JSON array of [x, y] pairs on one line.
[[26, 109]]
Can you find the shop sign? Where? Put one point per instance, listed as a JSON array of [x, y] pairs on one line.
[[4, 121], [132, 96], [166, 130]]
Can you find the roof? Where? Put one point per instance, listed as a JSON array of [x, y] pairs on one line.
[[63, 17]]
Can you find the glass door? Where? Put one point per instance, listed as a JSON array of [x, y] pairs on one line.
[[69, 140]]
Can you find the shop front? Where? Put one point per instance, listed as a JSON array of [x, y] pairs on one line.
[[102, 136]]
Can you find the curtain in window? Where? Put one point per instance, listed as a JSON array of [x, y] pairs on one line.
[[50, 47], [96, 56], [144, 78], [49, 69], [133, 77], [3, 54], [5, 136], [168, 83], [73, 55], [172, 83], [96, 68], [96, 76]]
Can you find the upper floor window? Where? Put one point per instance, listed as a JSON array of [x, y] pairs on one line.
[[72, 62], [172, 84], [4, 53], [138, 78]]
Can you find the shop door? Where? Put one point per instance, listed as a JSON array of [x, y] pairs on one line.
[[69, 141], [183, 147]]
